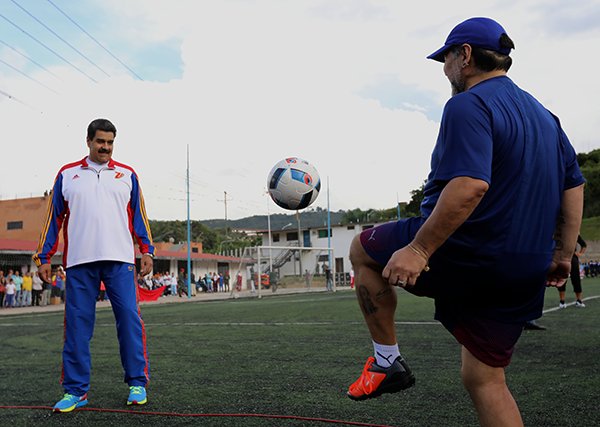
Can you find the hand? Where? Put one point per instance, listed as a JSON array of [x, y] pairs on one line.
[[404, 267], [558, 273], [146, 264], [45, 273]]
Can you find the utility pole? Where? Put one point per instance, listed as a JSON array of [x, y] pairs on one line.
[[225, 200]]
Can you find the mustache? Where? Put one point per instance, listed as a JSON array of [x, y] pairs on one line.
[[103, 151]]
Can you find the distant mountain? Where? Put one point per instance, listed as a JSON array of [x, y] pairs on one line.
[[308, 219]]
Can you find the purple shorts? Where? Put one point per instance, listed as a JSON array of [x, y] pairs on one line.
[[382, 241], [490, 340]]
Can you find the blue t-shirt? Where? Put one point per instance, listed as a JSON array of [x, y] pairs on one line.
[[500, 134], [59, 282]]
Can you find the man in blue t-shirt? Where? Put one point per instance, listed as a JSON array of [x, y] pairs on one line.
[[499, 220]]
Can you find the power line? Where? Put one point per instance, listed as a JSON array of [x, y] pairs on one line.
[[96, 41], [59, 37], [29, 77], [12, 98], [48, 48], [28, 58]]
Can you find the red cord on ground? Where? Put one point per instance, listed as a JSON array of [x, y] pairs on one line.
[[176, 414]]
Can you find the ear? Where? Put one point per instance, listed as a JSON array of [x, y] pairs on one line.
[[466, 51]]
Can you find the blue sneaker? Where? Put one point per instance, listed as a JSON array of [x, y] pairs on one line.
[[70, 402], [137, 395]]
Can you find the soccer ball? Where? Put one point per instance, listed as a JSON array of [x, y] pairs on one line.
[[293, 183]]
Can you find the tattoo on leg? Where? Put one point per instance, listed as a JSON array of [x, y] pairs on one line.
[[383, 293], [365, 300]]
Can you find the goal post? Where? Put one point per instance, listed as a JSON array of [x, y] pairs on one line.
[[299, 261]]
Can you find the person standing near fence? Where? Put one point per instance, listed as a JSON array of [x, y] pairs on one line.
[[2, 288], [575, 276], [307, 278], [46, 292], [37, 289], [26, 290], [100, 204], [328, 277], [18, 281], [11, 291]]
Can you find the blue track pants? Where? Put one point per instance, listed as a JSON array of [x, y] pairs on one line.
[[83, 284]]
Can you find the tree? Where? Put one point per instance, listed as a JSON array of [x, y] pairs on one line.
[[590, 167], [353, 216], [413, 208]]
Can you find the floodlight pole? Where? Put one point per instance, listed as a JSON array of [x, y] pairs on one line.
[[300, 244], [270, 241], [329, 257], [259, 272], [189, 232]]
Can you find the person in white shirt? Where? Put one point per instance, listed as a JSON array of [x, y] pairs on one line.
[[100, 203], [11, 291], [37, 289]]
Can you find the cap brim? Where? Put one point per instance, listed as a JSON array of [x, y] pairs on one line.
[[439, 54]]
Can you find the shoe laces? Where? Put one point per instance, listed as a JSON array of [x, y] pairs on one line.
[[136, 389], [72, 397]]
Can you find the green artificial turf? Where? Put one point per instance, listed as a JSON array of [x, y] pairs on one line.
[[296, 355]]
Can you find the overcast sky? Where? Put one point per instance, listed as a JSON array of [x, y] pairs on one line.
[[343, 84]]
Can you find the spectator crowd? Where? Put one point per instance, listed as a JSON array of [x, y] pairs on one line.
[[27, 289], [178, 284]]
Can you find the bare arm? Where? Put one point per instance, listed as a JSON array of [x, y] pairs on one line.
[[565, 235], [457, 202]]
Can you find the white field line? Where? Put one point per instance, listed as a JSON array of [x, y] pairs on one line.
[[112, 325], [549, 310]]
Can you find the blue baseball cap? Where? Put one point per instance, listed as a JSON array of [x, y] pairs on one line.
[[478, 32]]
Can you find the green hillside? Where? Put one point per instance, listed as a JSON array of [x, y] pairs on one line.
[[590, 228], [309, 218]]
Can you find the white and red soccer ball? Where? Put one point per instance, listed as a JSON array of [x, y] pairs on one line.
[[293, 183]]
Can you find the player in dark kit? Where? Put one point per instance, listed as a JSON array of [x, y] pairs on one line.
[[499, 220]]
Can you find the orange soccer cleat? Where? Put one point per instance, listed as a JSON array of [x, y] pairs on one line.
[[375, 380]]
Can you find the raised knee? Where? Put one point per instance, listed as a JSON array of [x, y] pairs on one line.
[[357, 253]]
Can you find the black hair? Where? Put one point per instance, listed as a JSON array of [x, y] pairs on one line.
[[100, 124], [489, 60]]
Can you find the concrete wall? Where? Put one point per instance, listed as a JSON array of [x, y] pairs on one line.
[[31, 212], [341, 238]]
